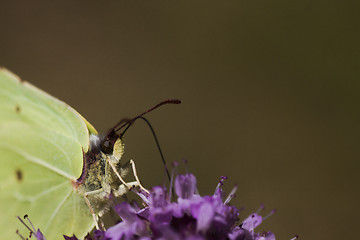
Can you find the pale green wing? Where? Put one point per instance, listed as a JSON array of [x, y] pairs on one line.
[[42, 141]]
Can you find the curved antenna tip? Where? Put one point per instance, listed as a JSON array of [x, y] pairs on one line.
[[174, 101]]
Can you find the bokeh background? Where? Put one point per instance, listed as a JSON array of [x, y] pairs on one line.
[[270, 93]]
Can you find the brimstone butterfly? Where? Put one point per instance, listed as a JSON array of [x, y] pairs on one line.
[[50, 158]]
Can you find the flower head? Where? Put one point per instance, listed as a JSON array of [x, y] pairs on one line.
[[191, 216]]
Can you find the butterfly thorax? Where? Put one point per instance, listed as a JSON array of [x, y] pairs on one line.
[[97, 173]]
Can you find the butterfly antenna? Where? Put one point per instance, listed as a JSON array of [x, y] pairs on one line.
[[111, 136], [127, 122], [158, 146]]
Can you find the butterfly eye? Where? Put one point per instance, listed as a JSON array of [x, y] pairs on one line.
[[107, 144]]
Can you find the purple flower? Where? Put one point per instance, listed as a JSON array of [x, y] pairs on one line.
[[191, 216], [131, 224], [33, 232]]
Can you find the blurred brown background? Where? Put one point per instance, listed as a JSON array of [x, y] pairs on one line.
[[270, 93]]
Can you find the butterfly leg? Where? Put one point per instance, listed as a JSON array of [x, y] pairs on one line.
[[136, 176], [128, 186], [122, 190], [90, 207]]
